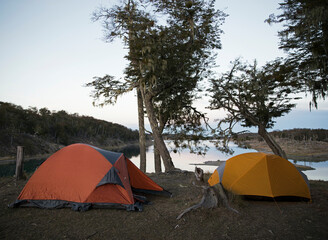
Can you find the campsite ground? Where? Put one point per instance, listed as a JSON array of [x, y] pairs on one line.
[[257, 219]]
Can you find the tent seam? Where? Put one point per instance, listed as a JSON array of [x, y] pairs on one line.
[[242, 174], [269, 175]]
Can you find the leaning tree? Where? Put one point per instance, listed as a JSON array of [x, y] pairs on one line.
[[254, 97], [167, 59]]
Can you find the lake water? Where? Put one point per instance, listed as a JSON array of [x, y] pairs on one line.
[[185, 161]]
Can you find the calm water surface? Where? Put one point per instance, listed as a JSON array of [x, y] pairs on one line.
[[185, 161]]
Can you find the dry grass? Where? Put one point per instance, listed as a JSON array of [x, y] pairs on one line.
[[257, 219], [297, 150]]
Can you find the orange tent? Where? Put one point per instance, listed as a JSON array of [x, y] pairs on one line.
[[261, 174], [80, 176]]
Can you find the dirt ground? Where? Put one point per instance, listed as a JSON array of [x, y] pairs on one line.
[[257, 219]]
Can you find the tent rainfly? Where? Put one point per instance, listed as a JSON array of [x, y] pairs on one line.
[[261, 174], [80, 176]]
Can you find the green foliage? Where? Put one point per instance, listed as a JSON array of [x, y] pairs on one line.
[[253, 96], [187, 44], [59, 127], [107, 89], [172, 45], [305, 39], [168, 58]]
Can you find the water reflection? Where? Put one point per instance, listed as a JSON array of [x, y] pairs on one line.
[[131, 151], [185, 159], [29, 167], [320, 171]]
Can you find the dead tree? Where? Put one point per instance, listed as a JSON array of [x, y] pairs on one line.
[[211, 195]]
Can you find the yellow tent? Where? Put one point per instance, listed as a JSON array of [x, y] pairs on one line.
[[261, 174]]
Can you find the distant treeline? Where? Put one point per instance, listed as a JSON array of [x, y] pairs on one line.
[[58, 127], [303, 134], [298, 134]]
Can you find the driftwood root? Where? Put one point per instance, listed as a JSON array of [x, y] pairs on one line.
[[209, 200], [211, 195]]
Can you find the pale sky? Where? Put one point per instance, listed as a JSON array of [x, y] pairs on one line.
[[50, 48]]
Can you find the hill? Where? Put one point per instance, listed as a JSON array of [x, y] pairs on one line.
[[42, 131]]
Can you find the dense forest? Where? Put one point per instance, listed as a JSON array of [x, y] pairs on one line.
[[42, 130], [298, 134]]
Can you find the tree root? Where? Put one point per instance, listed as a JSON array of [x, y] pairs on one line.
[[224, 197], [210, 197], [209, 200]]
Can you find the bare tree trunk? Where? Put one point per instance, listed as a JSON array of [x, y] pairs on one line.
[[158, 138], [142, 135], [157, 160], [157, 155], [141, 116], [276, 149]]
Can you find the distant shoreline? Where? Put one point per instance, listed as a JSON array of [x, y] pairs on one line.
[[218, 163], [307, 151], [12, 159]]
